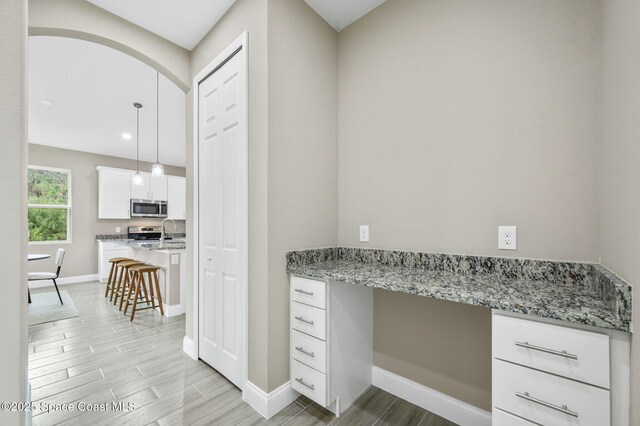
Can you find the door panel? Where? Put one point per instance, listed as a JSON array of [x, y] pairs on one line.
[[222, 200]]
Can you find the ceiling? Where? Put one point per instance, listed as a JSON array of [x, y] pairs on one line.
[[183, 22], [92, 88], [341, 13], [186, 22]]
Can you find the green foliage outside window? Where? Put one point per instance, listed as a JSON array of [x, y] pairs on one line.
[[48, 192]]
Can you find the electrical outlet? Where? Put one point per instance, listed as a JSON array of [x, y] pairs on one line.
[[507, 238], [175, 259], [117, 229], [364, 233]]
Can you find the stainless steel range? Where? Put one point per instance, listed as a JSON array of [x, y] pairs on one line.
[[145, 233]]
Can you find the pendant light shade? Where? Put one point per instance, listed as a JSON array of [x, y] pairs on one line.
[[137, 178], [157, 169]]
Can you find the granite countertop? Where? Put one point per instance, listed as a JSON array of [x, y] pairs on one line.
[[581, 293], [153, 245]]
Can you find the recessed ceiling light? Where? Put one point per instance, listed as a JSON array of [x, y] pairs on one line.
[[126, 136], [46, 102]]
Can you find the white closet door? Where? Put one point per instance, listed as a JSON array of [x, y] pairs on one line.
[[222, 186]]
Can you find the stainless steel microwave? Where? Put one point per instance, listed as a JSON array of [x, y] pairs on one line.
[[148, 208]]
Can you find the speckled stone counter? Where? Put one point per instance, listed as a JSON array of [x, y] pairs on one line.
[[581, 293]]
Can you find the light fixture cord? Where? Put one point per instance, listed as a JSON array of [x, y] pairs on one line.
[[157, 116], [137, 140]]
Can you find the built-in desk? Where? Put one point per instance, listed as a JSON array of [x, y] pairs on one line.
[[556, 325]]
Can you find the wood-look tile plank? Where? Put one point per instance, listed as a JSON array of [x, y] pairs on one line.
[[402, 412], [431, 419], [202, 407], [234, 413], [367, 408], [313, 415], [284, 416]]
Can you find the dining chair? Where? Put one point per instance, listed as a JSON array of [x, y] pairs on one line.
[[41, 276]]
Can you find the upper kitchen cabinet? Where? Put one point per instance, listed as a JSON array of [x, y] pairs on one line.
[[177, 197], [114, 193], [152, 188]]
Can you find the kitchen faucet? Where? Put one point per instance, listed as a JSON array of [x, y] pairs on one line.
[[175, 228]]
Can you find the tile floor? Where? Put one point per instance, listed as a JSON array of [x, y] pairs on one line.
[[102, 357]]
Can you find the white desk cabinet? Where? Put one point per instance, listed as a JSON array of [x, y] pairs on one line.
[[550, 373], [331, 341]]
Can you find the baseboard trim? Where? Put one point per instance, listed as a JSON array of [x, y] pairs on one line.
[[269, 404], [189, 348], [65, 280], [443, 405], [173, 310]]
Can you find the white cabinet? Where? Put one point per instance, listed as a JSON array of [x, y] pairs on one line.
[[152, 188], [114, 194], [550, 373], [331, 341], [106, 251], [176, 197]]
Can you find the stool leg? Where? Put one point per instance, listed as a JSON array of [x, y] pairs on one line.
[[116, 291], [127, 285], [153, 299], [139, 283], [130, 290], [106, 291], [155, 275], [144, 289]]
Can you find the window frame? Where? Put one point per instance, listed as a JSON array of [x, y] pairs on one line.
[[68, 206]]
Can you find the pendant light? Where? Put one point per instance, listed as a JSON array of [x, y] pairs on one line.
[[157, 169], [137, 178]]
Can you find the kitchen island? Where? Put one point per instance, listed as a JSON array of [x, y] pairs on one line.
[[169, 256]]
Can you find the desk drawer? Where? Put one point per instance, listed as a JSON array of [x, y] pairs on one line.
[[309, 382], [310, 292], [309, 351], [540, 345], [540, 397], [309, 320]]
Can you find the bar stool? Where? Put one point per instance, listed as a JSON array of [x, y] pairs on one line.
[[139, 284], [113, 274], [125, 280]]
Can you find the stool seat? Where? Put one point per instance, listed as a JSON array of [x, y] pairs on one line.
[[144, 268], [118, 259]]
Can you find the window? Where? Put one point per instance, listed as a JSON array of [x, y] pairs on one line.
[[49, 204]]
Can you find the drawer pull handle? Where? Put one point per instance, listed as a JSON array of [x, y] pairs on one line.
[[564, 354], [304, 320], [301, 349], [562, 409], [303, 383], [308, 293]]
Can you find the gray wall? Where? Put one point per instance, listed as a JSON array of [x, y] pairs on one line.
[[251, 16], [303, 175], [292, 158], [456, 117], [13, 165], [81, 257], [620, 157]]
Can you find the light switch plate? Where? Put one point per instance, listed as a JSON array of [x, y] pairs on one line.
[[507, 238], [364, 233], [175, 259]]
